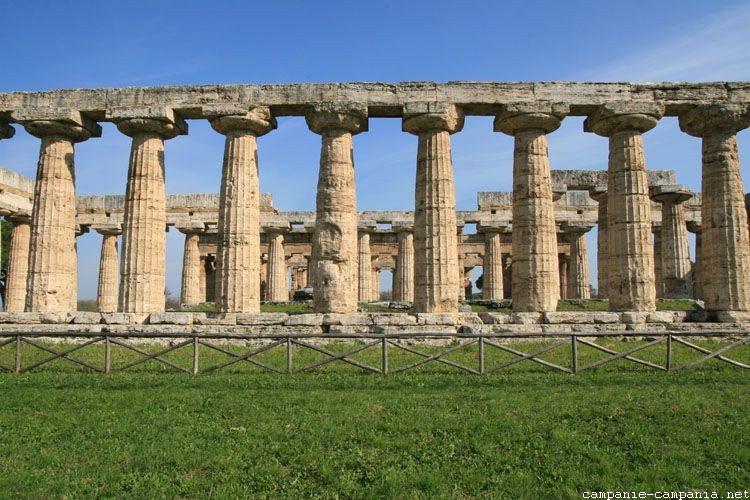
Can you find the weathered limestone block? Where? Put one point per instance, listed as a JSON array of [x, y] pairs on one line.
[[365, 269], [142, 270], [347, 319], [108, 286], [660, 317], [493, 318], [53, 270], [277, 287], [629, 248], [726, 255], [304, 320], [526, 318], [87, 318], [393, 319], [217, 319], [535, 277], [119, 318], [581, 317], [675, 253], [170, 318], [403, 276], [335, 238], [238, 229], [18, 264], [492, 266], [261, 318], [435, 240], [449, 319], [599, 194]]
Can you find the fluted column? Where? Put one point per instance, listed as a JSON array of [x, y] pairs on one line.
[[436, 286], [675, 267], [461, 274], [726, 253], [403, 275], [536, 277], [108, 286], [365, 268], [599, 194], [53, 269], [563, 267], [295, 279], [376, 283], [143, 263], [238, 231], [492, 265], [277, 289], [658, 275], [335, 239], [18, 263], [303, 276], [629, 246], [697, 268], [190, 290], [579, 285]]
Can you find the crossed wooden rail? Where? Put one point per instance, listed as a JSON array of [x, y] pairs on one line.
[[385, 342]]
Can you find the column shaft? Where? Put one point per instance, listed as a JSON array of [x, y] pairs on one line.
[[107, 290], [191, 273], [676, 267], [18, 267], [278, 285], [578, 285], [403, 277], [563, 269], [492, 267], [365, 269]]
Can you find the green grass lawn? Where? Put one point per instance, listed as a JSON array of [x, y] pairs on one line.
[[338, 431]]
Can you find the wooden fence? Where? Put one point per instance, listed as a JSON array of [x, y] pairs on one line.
[[62, 346]]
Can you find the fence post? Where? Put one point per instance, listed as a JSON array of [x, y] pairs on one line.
[[481, 355], [18, 354], [107, 355], [196, 351], [669, 352], [384, 344], [574, 353], [289, 355]]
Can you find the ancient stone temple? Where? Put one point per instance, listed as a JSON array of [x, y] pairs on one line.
[[531, 243]]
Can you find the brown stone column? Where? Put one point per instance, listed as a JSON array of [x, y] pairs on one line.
[[108, 286], [403, 275], [143, 263], [295, 280], [238, 231], [492, 263], [534, 238], [365, 268], [376, 284], [726, 253], [461, 274], [277, 289], [190, 290], [18, 263], [563, 260], [579, 285], [675, 267], [435, 242], [695, 228], [629, 246], [599, 194], [335, 239], [303, 277], [53, 270]]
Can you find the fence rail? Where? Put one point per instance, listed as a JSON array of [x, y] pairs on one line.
[[386, 343]]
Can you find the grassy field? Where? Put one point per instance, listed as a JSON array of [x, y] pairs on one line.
[[338, 431]]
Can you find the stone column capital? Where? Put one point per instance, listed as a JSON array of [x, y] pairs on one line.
[[258, 120], [670, 194], [621, 116], [576, 228], [598, 194], [6, 131], [694, 226], [328, 117], [20, 217], [706, 119], [108, 229], [402, 228], [493, 227], [154, 120], [275, 230], [68, 123], [191, 227], [517, 117], [432, 116]]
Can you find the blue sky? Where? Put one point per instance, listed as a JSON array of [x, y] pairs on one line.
[[49, 45]]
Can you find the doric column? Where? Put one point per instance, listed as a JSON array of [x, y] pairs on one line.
[[403, 275], [6, 131], [375, 283], [190, 290], [277, 289], [695, 228], [365, 268], [53, 269], [492, 263], [435, 243], [18, 263], [658, 275], [142, 267], [202, 279], [675, 267], [295, 280], [238, 230], [461, 274], [599, 194], [563, 270], [579, 285], [629, 248], [108, 287], [534, 238], [726, 254], [335, 239], [304, 276]]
